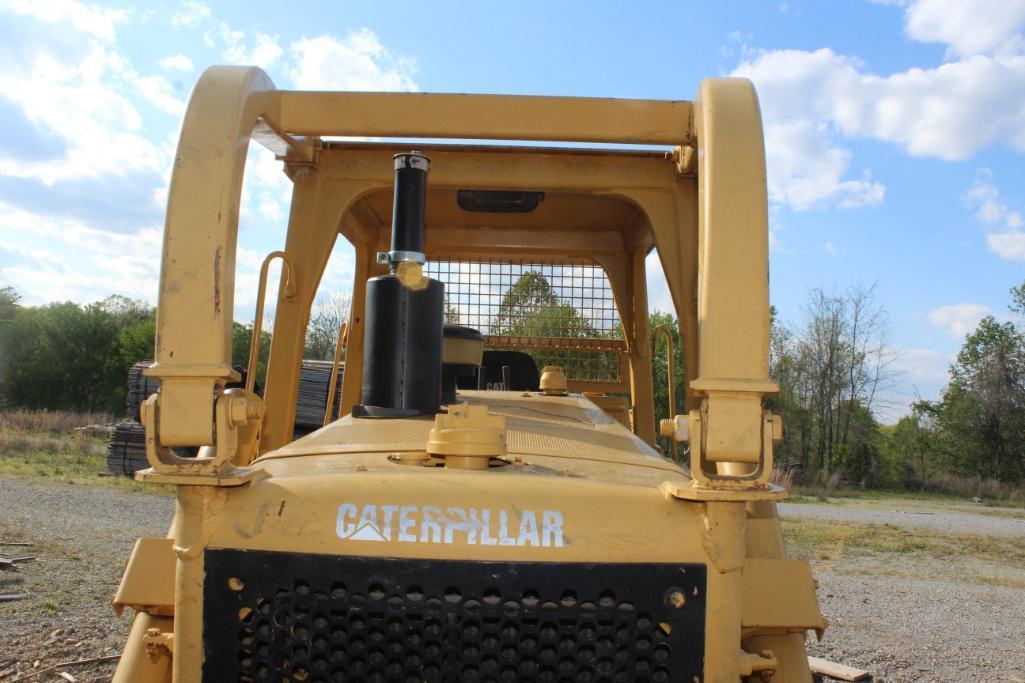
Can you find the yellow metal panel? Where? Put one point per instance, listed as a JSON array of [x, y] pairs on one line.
[[136, 665], [486, 117], [148, 581], [563, 427], [197, 283], [735, 435], [733, 308], [780, 594]]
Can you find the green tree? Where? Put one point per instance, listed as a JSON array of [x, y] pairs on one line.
[[65, 356], [325, 322], [982, 413], [9, 309], [532, 308], [831, 371], [241, 342]]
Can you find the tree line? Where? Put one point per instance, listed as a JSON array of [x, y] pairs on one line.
[[69, 356], [836, 370]]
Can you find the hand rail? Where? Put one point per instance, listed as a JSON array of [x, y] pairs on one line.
[[343, 338], [289, 293], [671, 364]]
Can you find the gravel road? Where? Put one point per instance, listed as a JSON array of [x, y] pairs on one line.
[[909, 617], [904, 617], [944, 518], [82, 537]]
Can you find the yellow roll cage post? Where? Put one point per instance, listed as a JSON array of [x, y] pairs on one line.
[[702, 207]]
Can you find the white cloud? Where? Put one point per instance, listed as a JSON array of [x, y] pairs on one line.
[[659, 298], [813, 100], [82, 102], [94, 21], [191, 15], [42, 274], [266, 190], [357, 62], [263, 52], [968, 28], [1008, 245], [923, 374], [158, 91], [948, 112], [925, 365], [957, 320], [806, 169], [1005, 237], [177, 62]]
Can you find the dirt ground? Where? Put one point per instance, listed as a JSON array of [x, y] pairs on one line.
[[904, 614]]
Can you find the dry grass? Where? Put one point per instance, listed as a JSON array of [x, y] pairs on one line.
[[783, 477], [50, 421], [973, 487], [52, 445], [834, 540]]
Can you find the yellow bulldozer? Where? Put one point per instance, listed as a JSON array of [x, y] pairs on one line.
[[489, 502]]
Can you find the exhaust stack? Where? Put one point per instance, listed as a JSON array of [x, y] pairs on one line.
[[402, 338]]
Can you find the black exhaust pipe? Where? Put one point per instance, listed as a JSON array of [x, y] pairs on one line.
[[402, 339]]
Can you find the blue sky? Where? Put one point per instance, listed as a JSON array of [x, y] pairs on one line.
[[895, 129]]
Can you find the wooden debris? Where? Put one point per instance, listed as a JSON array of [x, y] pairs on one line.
[[11, 597], [68, 677], [21, 543], [835, 670]]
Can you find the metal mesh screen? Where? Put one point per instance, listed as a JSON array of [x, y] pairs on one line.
[[562, 314], [319, 618]]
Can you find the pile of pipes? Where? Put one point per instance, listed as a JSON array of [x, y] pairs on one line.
[[314, 383], [126, 450], [140, 387]]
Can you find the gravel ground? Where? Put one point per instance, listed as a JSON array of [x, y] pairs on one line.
[[916, 618], [82, 537], [944, 518], [902, 617]]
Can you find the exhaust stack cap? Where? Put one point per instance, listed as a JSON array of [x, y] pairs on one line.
[[407, 233]]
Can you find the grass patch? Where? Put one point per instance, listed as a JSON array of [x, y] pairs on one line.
[[834, 540], [70, 467], [32, 444], [999, 581], [812, 495]]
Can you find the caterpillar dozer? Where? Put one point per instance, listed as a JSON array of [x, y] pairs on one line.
[[489, 502]]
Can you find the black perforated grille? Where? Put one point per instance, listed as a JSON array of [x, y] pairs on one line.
[[283, 616]]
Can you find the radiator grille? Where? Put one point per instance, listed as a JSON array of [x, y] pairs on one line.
[[283, 616]]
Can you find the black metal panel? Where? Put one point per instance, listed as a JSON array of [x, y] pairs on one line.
[[289, 616], [402, 348]]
